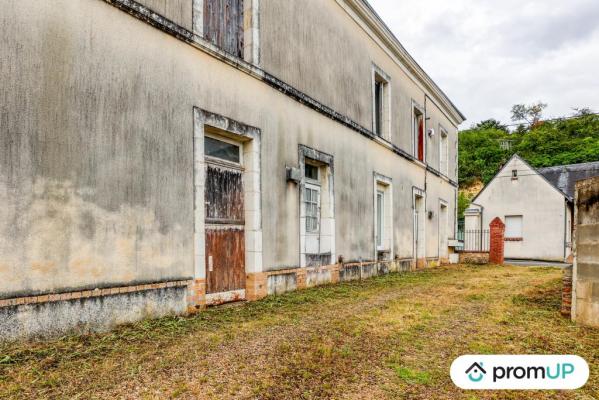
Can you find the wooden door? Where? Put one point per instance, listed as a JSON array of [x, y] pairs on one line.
[[223, 25], [225, 233]]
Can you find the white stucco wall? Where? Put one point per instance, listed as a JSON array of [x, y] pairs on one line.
[[542, 207], [97, 177]]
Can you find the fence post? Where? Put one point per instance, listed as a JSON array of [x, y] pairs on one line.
[[496, 250]]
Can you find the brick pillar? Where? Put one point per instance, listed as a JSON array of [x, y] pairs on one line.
[[301, 277], [256, 286], [496, 251], [335, 269], [567, 292], [196, 296]]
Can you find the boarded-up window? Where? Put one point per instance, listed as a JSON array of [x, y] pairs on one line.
[[513, 227], [223, 25]]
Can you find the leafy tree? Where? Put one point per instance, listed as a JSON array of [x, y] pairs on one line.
[[491, 124], [529, 113], [463, 203], [486, 147], [480, 154]]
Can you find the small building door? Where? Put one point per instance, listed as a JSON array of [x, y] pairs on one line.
[[312, 212], [443, 232], [225, 222], [419, 228]]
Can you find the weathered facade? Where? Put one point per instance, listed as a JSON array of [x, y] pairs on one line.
[[160, 155], [585, 281]]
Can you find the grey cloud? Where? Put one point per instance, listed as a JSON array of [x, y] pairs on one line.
[[488, 55]]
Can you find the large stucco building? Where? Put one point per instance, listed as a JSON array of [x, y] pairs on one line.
[[158, 155], [536, 206]]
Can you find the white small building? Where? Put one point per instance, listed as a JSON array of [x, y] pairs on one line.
[[534, 204]]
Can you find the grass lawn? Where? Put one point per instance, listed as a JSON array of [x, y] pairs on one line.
[[390, 337]]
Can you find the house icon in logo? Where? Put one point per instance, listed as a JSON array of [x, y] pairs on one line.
[[476, 372]]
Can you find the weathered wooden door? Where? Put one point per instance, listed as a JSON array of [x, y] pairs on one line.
[[223, 25], [225, 237]]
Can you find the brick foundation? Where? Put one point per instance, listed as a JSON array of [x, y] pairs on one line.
[[496, 252], [256, 286], [196, 296], [567, 292]]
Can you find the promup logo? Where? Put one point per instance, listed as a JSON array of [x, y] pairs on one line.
[[520, 372], [476, 372]]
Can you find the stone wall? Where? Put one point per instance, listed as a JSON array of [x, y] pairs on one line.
[[567, 292], [478, 258]]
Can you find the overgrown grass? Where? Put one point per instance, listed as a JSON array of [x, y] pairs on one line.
[[389, 337]]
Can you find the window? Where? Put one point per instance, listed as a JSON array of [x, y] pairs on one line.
[[418, 130], [514, 174], [383, 217], [513, 227], [311, 172], [312, 202], [222, 150], [378, 106], [380, 217], [381, 99], [223, 25], [443, 152]]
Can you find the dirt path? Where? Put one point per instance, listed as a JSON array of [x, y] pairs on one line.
[[391, 337]]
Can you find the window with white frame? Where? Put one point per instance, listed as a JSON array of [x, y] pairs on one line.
[[312, 204], [418, 126], [317, 214], [513, 226], [381, 103], [443, 152], [383, 217], [380, 218]]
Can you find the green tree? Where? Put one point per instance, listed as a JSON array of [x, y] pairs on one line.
[[531, 113], [486, 147]]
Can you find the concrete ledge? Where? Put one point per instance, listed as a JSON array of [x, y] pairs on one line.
[[90, 314], [282, 281], [85, 294]]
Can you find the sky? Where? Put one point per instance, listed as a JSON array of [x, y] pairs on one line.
[[488, 55]]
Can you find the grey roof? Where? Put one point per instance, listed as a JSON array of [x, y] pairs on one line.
[[564, 177]]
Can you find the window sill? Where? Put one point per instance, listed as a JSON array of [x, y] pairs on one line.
[[419, 163], [514, 239]]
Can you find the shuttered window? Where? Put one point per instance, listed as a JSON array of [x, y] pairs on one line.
[[223, 25]]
